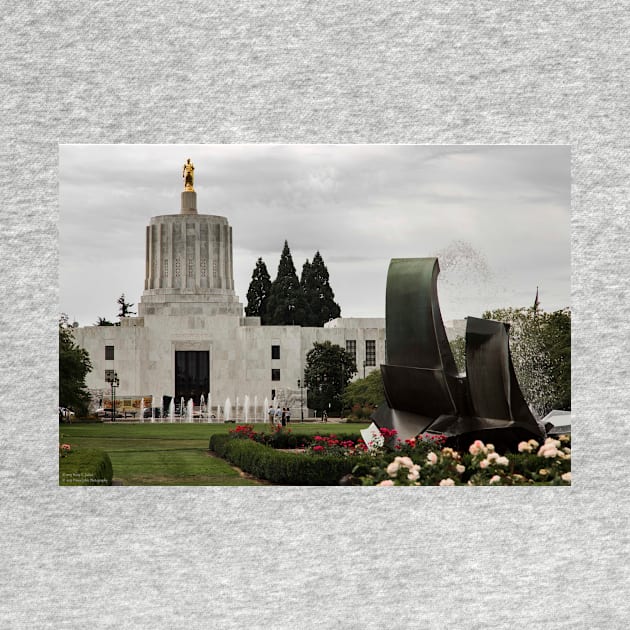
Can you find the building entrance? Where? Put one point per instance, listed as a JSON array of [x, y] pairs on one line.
[[192, 375]]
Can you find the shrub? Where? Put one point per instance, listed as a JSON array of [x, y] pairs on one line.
[[84, 467], [277, 467]]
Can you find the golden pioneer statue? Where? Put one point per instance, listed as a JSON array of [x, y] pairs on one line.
[[188, 174]]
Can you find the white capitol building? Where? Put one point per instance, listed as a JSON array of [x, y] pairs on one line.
[[190, 337]]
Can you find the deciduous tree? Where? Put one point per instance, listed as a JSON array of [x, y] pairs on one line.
[[540, 344], [74, 366], [328, 371]]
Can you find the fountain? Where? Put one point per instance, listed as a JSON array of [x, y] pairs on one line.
[[142, 409], [152, 408], [255, 408], [189, 410], [182, 408], [227, 410], [246, 409], [171, 410], [266, 410], [202, 402]]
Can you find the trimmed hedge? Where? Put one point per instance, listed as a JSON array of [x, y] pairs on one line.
[[86, 467], [278, 467]]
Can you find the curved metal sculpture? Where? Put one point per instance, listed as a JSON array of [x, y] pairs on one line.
[[423, 389]]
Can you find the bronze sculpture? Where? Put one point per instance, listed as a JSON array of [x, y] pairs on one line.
[[423, 389]]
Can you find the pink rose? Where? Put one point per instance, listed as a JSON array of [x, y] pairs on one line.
[[432, 458], [447, 482], [386, 482]]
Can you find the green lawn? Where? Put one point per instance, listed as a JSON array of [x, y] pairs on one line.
[[171, 454]]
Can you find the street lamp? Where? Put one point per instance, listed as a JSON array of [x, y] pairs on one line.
[[301, 401], [114, 382]]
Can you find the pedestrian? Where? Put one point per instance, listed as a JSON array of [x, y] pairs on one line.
[[324, 416], [278, 415], [270, 413], [284, 417], [288, 414]]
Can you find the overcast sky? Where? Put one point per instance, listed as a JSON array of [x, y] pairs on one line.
[[497, 217]]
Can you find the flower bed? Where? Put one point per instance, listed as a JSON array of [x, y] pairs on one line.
[[388, 461]]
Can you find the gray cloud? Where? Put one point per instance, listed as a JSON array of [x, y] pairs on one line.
[[360, 205]]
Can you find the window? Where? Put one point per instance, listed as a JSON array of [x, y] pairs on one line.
[[166, 268], [204, 268], [190, 267], [351, 348], [275, 375], [177, 267], [275, 352], [109, 353], [109, 376], [370, 352], [273, 394]]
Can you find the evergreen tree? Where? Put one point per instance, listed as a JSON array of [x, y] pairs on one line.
[[125, 307], [258, 292], [320, 299], [102, 321], [286, 304], [74, 365], [306, 285]]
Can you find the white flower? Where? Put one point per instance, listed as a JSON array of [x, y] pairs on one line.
[[460, 468], [477, 447], [495, 479], [524, 447], [392, 469], [490, 448], [447, 482], [413, 475], [484, 463], [387, 482], [548, 450], [566, 476], [502, 461], [492, 456], [432, 458], [405, 461]]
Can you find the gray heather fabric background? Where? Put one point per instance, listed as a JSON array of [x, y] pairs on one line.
[[241, 72]]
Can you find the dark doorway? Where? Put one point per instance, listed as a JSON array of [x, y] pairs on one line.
[[192, 375]]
